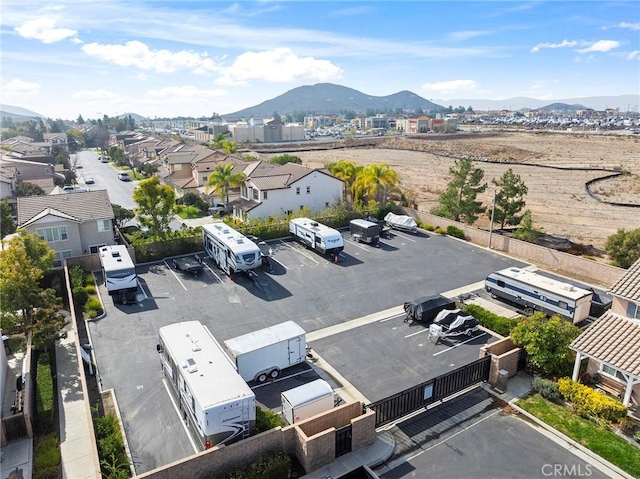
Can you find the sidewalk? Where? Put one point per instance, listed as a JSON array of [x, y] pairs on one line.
[[78, 449]]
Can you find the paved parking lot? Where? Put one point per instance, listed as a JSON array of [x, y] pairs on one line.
[[379, 358]]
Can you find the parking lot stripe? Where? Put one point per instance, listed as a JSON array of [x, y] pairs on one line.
[[299, 252], [354, 323], [146, 296], [184, 425], [279, 262], [175, 275], [459, 344], [355, 243], [423, 330], [212, 272], [403, 236]]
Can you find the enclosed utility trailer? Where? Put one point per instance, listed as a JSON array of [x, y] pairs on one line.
[[307, 400], [364, 231], [262, 354]]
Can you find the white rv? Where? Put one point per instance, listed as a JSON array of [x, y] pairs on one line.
[[264, 353], [317, 236], [536, 292], [229, 249], [213, 399], [119, 273]]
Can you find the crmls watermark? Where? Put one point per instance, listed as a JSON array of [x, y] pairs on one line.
[[566, 470]]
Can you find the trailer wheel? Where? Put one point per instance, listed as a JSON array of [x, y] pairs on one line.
[[528, 311], [494, 296], [274, 374], [262, 377]]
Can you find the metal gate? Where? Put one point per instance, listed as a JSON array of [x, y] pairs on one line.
[[428, 392], [343, 440]]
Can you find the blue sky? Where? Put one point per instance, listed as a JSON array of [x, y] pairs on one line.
[[180, 58]]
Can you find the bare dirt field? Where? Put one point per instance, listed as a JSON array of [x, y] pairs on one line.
[[557, 197]]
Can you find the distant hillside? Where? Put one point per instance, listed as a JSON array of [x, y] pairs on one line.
[[327, 98], [135, 117], [18, 113], [563, 107], [599, 103]]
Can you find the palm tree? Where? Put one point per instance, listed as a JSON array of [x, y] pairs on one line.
[[222, 178], [347, 171], [376, 181]]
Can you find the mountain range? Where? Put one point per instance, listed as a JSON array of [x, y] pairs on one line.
[[328, 98]]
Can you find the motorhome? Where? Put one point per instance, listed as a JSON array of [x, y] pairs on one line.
[[213, 399], [119, 273], [317, 236], [535, 292], [364, 231], [230, 250]]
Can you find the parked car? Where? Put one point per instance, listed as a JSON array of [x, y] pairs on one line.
[[104, 159], [89, 181], [124, 176]]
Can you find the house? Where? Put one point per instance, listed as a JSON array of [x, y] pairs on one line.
[[611, 345], [272, 190], [72, 225], [29, 171]]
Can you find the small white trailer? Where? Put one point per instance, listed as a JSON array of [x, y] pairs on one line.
[[317, 236], [307, 400], [262, 354]]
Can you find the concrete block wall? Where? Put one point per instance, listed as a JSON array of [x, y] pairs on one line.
[[598, 273], [363, 431], [504, 355], [320, 450], [497, 348], [337, 417]]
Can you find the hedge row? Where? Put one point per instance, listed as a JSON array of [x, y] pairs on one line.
[[271, 465], [498, 324], [113, 459], [589, 402]]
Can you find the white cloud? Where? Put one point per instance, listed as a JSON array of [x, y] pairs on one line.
[[100, 95], [562, 44], [538, 84], [278, 66], [633, 54], [187, 91], [44, 29], [137, 54], [451, 87], [467, 34], [602, 46], [630, 26], [18, 87]]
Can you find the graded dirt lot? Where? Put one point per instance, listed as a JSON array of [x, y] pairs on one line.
[[554, 166]]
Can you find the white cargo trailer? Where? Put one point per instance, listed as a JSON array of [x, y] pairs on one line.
[[307, 400], [317, 236], [264, 353]]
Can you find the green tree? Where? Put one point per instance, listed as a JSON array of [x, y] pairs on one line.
[[24, 188], [121, 215], [155, 205], [276, 116], [458, 202], [7, 225], [285, 158], [376, 181], [222, 178], [80, 120], [222, 142], [526, 231], [509, 198], [624, 247], [47, 321], [74, 135], [21, 270], [546, 342]]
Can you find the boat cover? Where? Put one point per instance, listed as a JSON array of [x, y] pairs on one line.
[[401, 221]]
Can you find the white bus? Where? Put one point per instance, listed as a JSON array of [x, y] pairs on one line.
[[317, 236], [536, 292], [213, 399], [229, 249], [119, 273]]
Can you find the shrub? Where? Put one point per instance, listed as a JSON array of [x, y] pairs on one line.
[[44, 395], [80, 295], [440, 231], [46, 457], [498, 324], [427, 226], [91, 288], [455, 232], [627, 425], [76, 276], [113, 459], [547, 389], [93, 307], [267, 419], [270, 465], [89, 280], [588, 402]]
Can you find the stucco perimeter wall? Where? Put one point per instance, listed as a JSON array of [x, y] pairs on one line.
[[546, 258], [504, 355], [312, 441]]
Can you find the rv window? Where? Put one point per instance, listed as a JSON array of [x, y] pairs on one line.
[[563, 305], [501, 283], [543, 298]]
